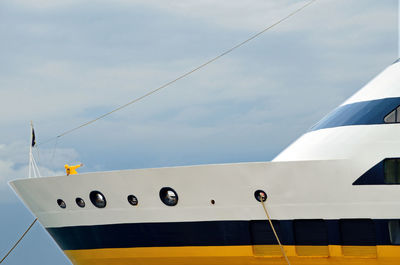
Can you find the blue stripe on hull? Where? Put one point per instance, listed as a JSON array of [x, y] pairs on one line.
[[359, 113], [360, 232]]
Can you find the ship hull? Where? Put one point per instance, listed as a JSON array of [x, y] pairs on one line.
[[217, 219]]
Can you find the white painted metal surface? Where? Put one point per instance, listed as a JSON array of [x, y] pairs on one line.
[[385, 85], [304, 189]]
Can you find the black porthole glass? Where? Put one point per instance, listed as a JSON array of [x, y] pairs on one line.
[[61, 203], [98, 199], [133, 200], [168, 196], [260, 195], [80, 202]]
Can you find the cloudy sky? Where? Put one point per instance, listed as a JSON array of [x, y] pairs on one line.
[[66, 62]]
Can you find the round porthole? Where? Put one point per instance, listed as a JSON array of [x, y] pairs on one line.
[[61, 203], [133, 200], [98, 199], [260, 195], [168, 196], [80, 202]]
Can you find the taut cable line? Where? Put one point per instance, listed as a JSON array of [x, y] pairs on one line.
[[19, 240], [183, 75]]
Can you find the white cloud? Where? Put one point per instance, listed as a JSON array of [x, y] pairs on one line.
[[234, 14], [238, 15], [44, 4], [14, 162], [253, 15]]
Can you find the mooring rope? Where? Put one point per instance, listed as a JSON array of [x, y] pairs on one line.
[[183, 75], [262, 200], [19, 240]]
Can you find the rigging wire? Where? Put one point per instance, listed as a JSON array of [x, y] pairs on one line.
[[19, 240], [183, 75], [54, 153]]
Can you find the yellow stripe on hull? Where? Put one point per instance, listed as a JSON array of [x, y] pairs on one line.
[[235, 255]]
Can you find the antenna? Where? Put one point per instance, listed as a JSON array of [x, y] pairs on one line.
[[33, 168]]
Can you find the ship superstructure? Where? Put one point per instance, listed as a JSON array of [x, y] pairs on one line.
[[333, 196]]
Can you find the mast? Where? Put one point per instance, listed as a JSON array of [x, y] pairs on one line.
[[30, 152], [33, 168]]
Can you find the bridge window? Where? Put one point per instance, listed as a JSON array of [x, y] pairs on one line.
[[393, 117], [391, 171]]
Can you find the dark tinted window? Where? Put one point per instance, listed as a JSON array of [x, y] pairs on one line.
[[391, 171]]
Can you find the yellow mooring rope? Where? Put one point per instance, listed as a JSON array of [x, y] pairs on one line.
[[19, 240], [262, 200]]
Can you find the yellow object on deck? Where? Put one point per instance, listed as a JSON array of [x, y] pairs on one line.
[[71, 170]]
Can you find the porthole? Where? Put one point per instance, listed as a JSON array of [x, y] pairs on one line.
[[80, 202], [98, 199], [260, 195], [168, 196], [61, 203], [133, 200]]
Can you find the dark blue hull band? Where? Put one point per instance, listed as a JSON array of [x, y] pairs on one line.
[[361, 232]]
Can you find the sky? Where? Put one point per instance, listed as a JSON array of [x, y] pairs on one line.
[[66, 62]]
